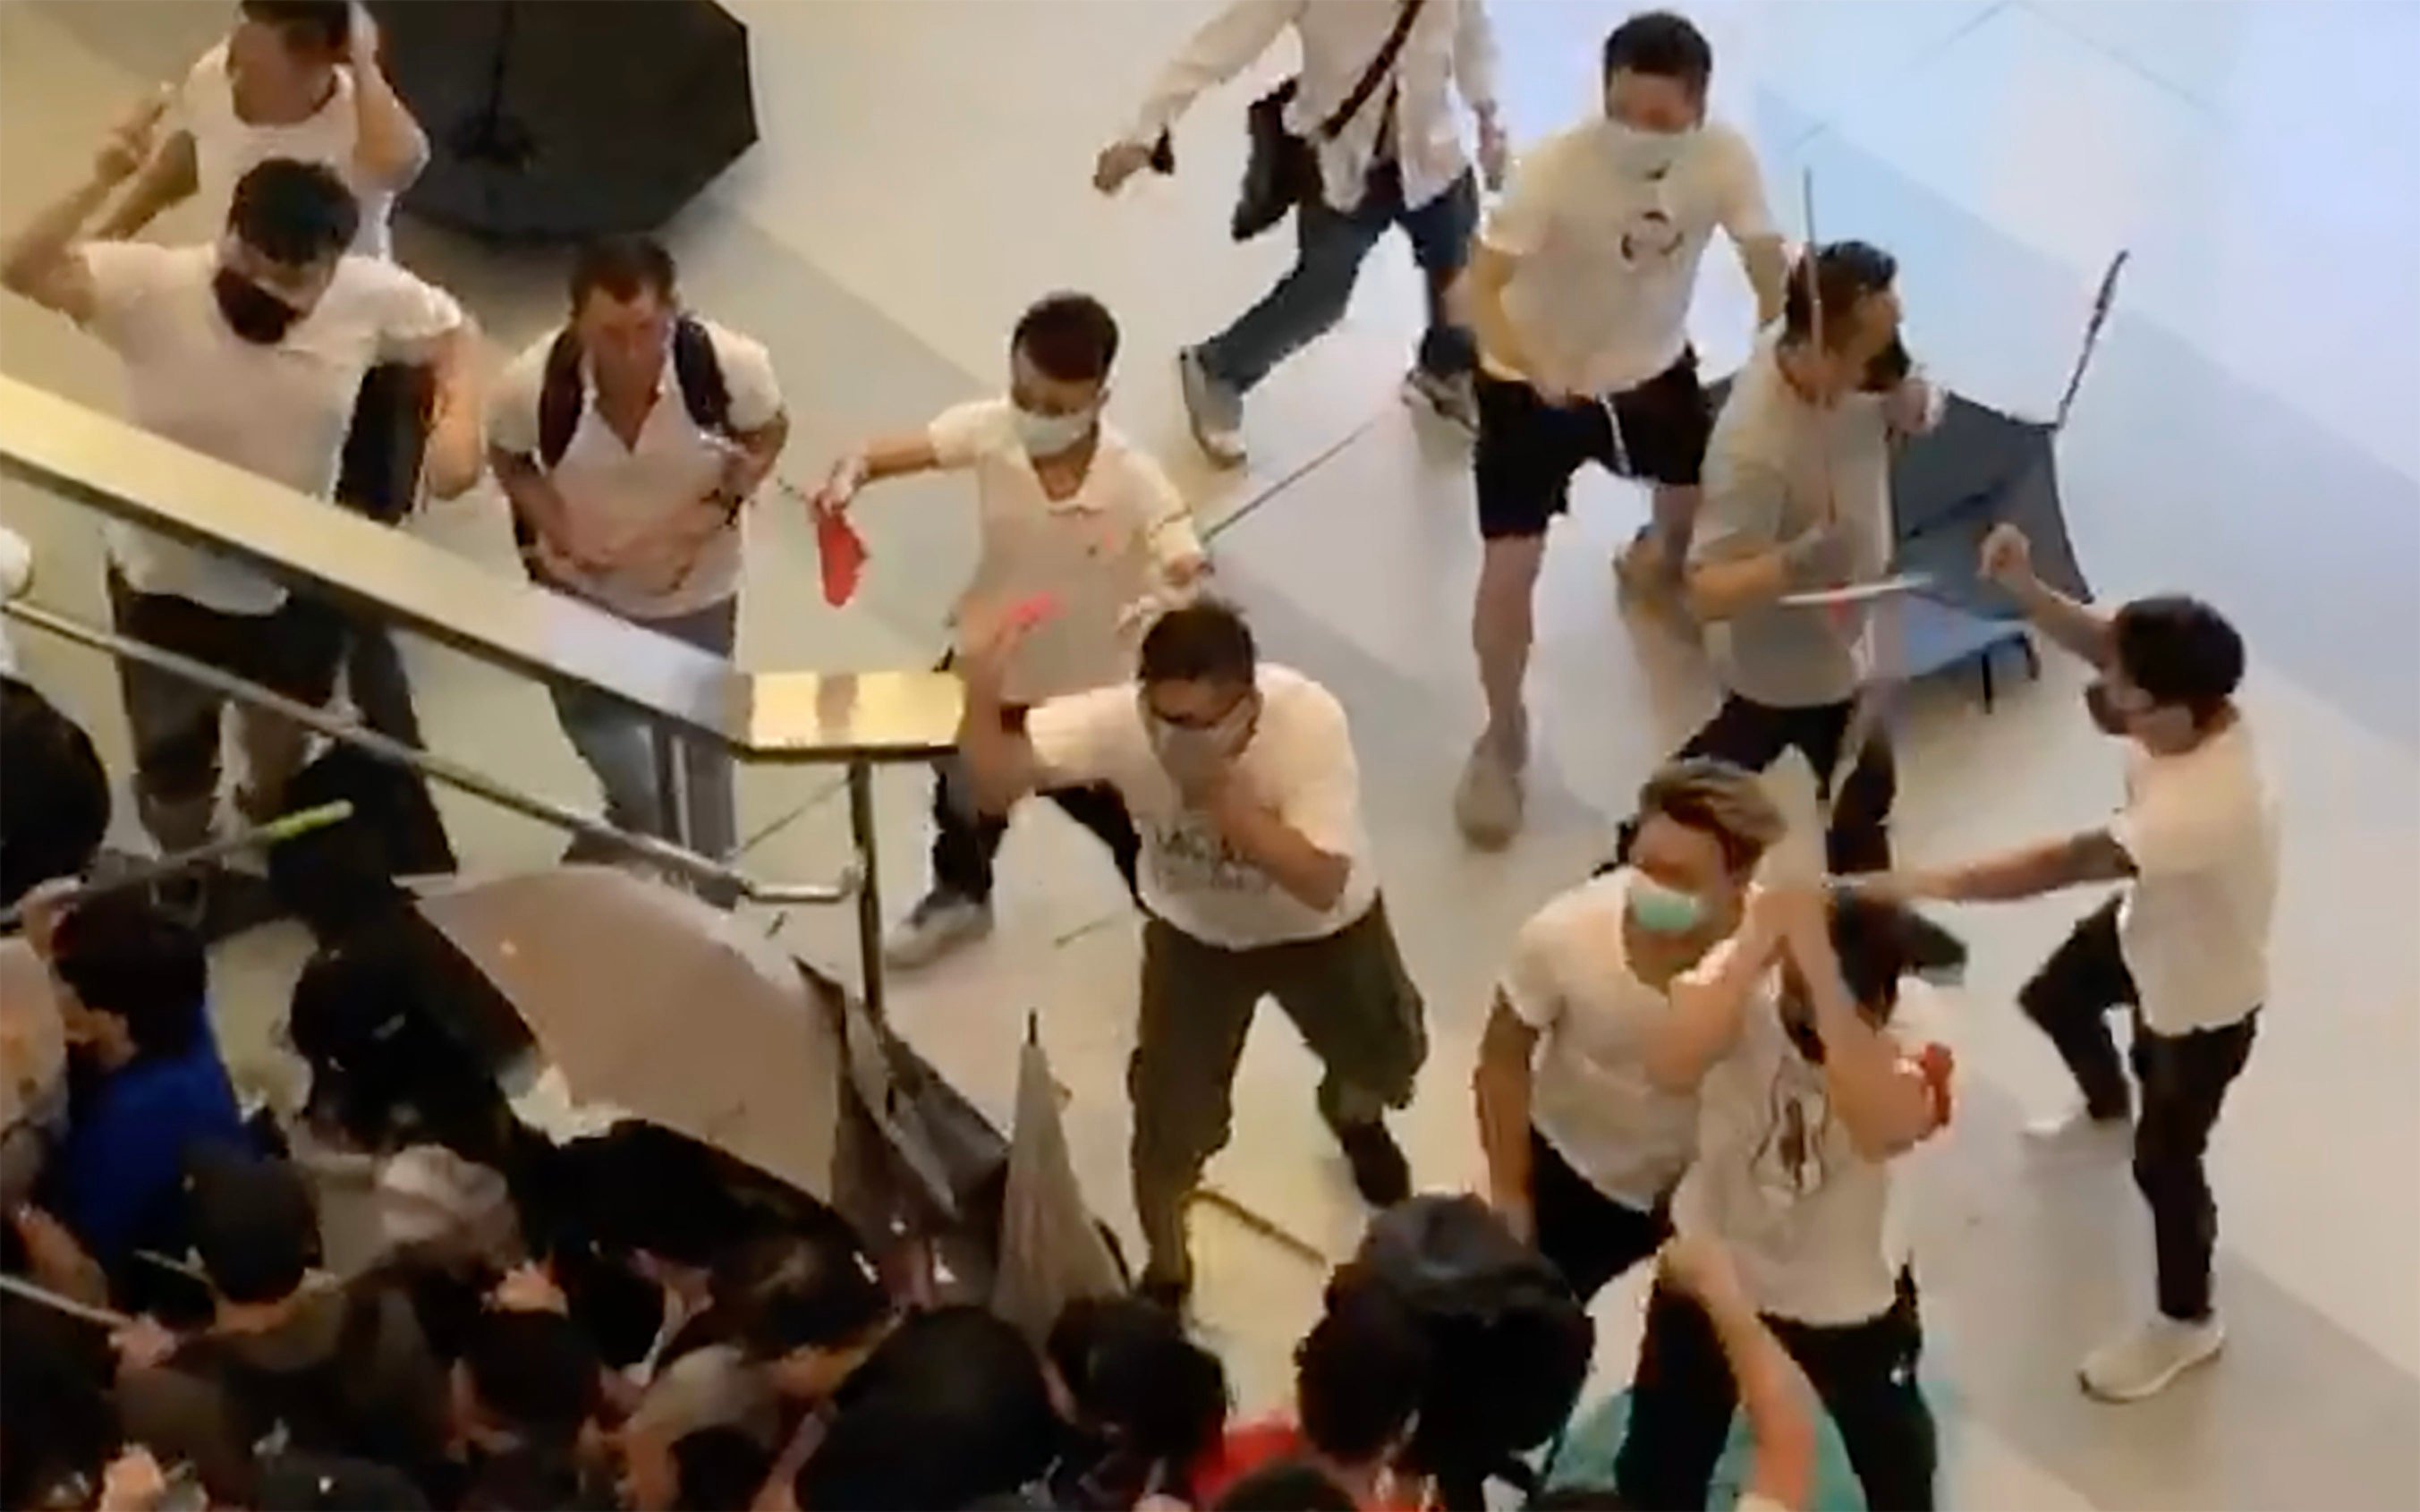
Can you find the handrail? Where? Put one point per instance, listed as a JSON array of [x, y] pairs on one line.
[[453, 774], [131, 475]]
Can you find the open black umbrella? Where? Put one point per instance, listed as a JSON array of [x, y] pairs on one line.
[[549, 120], [1977, 468]]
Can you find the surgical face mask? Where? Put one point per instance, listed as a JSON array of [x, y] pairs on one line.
[[253, 312], [1049, 435], [1643, 154], [1191, 756], [1660, 910]]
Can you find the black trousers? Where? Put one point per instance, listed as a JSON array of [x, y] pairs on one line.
[[1752, 735], [965, 842], [2184, 1080], [1865, 1373], [1589, 1237]]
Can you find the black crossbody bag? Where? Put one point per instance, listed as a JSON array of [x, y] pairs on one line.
[[1280, 169]]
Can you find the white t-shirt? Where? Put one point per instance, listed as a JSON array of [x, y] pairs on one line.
[[1813, 1225], [1591, 1096], [227, 147], [1299, 762], [1776, 466], [632, 490], [1606, 258], [2201, 829], [279, 411], [1103, 553]]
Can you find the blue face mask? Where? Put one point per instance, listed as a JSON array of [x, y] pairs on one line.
[[1660, 910]]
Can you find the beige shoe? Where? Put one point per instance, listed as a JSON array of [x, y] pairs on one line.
[[1488, 801]]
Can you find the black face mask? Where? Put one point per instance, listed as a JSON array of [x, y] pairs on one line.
[[253, 312]]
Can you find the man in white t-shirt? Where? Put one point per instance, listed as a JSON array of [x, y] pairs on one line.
[[1797, 501], [299, 79], [251, 351], [1579, 294], [1823, 1086], [1588, 1067], [1372, 108], [630, 441], [1067, 510], [1256, 881], [2185, 946]]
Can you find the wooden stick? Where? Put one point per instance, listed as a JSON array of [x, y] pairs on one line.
[[1267, 1227]]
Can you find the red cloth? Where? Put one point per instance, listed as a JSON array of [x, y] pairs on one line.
[[843, 551]]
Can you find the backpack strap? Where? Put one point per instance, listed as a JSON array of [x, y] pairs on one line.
[[560, 399], [699, 370], [1379, 66]]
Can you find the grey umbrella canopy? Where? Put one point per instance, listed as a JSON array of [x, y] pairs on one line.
[[549, 120]]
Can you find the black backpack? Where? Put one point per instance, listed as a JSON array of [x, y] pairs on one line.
[[695, 367], [1508, 1344]]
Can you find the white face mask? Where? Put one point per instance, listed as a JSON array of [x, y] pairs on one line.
[[1644, 154], [1049, 435]]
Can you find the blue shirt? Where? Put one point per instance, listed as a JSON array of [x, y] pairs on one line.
[[117, 1180]]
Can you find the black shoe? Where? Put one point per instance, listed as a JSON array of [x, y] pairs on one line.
[[1380, 1173]]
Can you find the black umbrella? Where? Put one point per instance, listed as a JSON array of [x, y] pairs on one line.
[[1977, 468], [550, 120]]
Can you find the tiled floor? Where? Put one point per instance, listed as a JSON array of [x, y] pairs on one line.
[[2252, 430]]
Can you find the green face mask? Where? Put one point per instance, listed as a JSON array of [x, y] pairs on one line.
[[1660, 910]]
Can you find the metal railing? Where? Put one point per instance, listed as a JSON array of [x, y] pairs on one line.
[[854, 720]]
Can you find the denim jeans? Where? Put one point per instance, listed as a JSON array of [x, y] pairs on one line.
[[1330, 245], [620, 746]]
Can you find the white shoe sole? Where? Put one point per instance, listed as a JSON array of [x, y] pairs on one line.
[[2144, 1389]]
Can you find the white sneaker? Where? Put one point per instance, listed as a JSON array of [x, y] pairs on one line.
[[2073, 1128], [1488, 799], [1451, 399], [938, 924], [1215, 411], [2145, 1361]]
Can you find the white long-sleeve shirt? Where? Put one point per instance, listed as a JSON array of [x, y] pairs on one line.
[[1451, 43]]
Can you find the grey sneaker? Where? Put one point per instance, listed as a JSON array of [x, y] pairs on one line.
[[1453, 401], [1487, 801], [1215, 411], [938, 924], [2147, 1361]]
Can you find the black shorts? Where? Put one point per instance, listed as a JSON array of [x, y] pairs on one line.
[[1528, 449]]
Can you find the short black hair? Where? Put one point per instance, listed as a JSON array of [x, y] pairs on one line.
[[537, 1372], [816, 1290], [324, 24], [1360, 1376], [1664, 44], [1069, 337], [120, 954], [255, 1224], [1205, 641], [951, 1409], [1133, 1373], [293, 213], [624, 267], [2181, 652], [719, 1468], [1288, 1486], [1844, 273]]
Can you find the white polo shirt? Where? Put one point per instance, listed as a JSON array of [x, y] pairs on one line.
[[279, 411], [1815, 1227], [1104, 553], [630, 491], [227, 147], [2201, 828], [1606, 258], [1591, 1096], [1449, 48], [1299, 762]]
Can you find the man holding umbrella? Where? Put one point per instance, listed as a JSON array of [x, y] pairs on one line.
[[1256, 880]]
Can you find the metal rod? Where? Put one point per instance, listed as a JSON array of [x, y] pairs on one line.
[[869, 888], [45, 1296], [257, 837], [429, 764], [672, 785]]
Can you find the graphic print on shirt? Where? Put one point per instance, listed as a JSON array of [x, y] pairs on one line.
[[1193, 857], [1791, 1163]]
